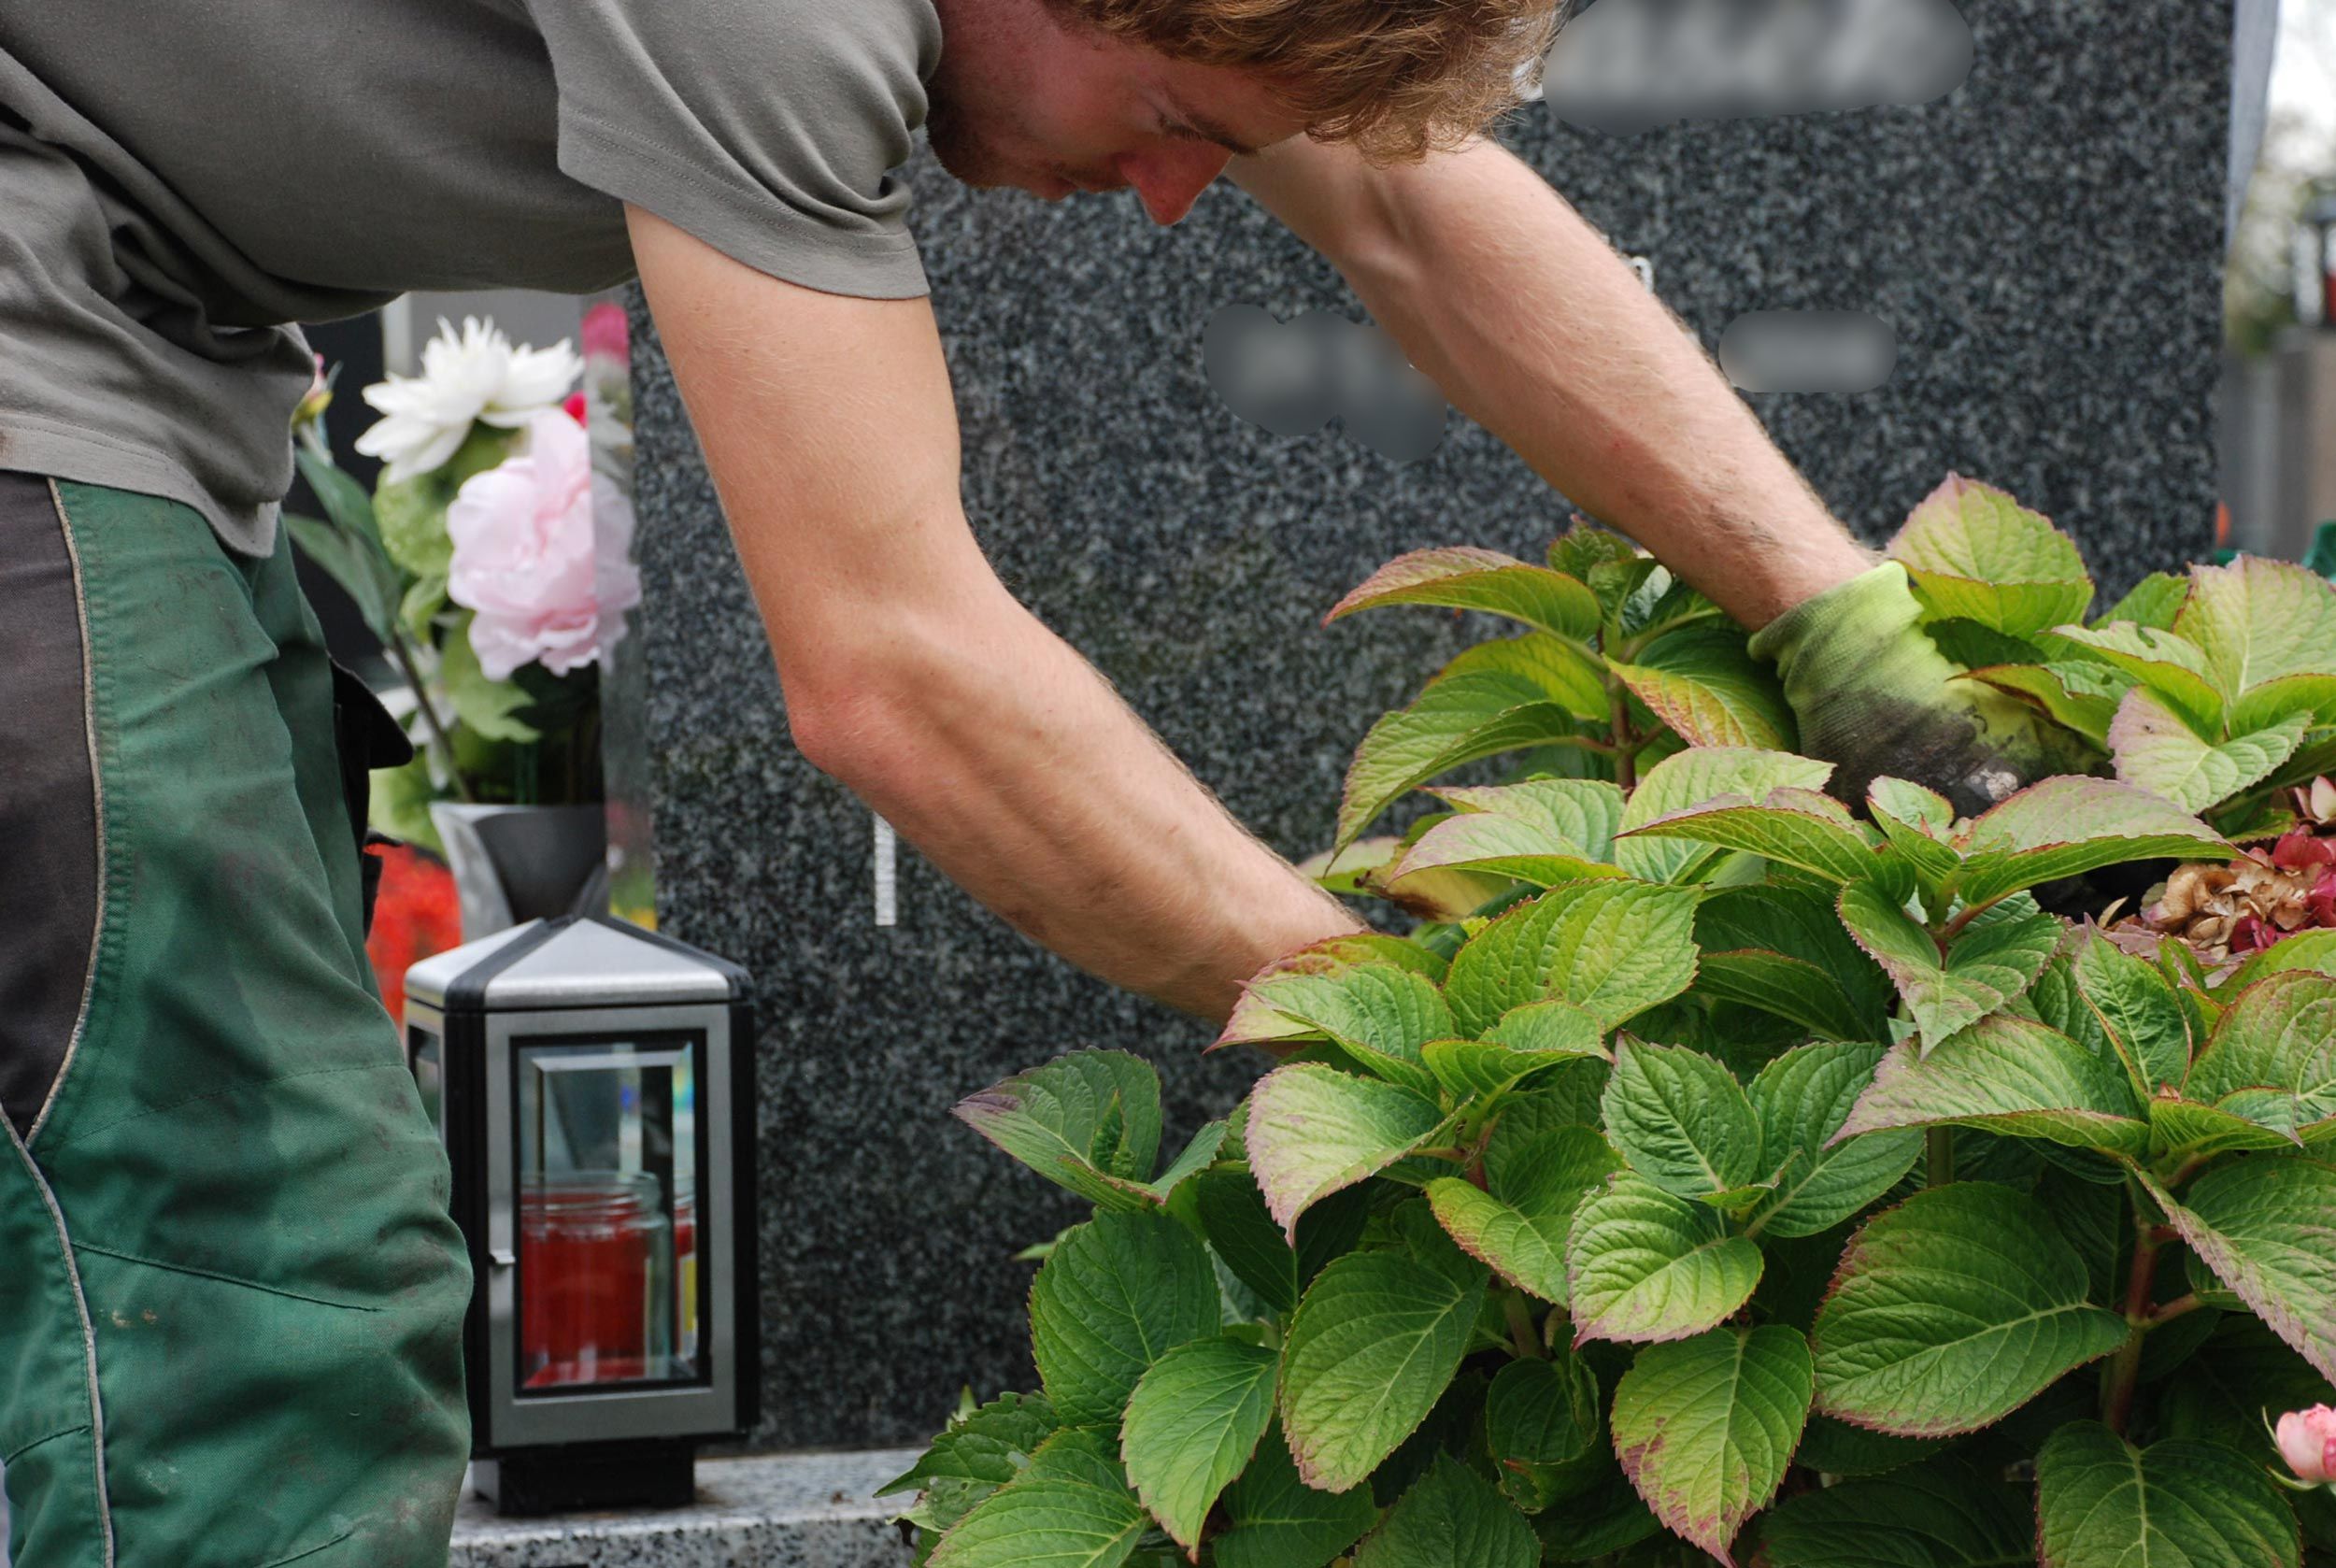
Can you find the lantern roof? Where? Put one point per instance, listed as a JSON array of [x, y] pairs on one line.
[[576, 961]]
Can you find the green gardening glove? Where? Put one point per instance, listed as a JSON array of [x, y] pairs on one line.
[[1875, 697]]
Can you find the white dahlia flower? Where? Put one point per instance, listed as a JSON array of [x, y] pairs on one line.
[[476, 376]]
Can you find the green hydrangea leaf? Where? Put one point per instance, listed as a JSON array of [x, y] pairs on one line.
[[992, 1446], [2155, 601], [2156, 749], [1690, 778], [1705, 1427], [1942, 1514], [1991, 962], [1612, 948], [1517, 1223], [1541, 1426], [1191, 1426], [2137, 1011], [2068, 826], [2007, 1074], [2266, 1227], [1078, 1121], [1467, 578], [2076, 697], [1254, 1022], [1951, 1311], [1973, 551], [1370, 1350], [1528, 1040], [1793, 827], [2310, 697], [1586, 546], [1546, 832], [1681, 1120], [1195, 1157], [1641, 1265], [1451, 1518], [1379, 1013], [2258, 620], [1274, 1520], [1116, 1294], [1072, 1508], [2165, 662], [1803, 1100], [1314, 1129], [1699, 680], [1833, 1448], [1782, 950], [2271, 1059], [1920, 826], [1233, 1215], [2101, 1503]]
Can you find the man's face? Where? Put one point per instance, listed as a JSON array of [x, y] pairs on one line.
[[1024, 99]]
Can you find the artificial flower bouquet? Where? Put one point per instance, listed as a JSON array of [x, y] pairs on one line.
[[492, 559]]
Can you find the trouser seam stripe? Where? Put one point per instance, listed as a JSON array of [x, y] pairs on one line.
[[89, 1337], [97, 796], [222, 1279]]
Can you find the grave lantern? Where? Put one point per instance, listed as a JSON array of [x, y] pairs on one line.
[[2316, 262], [593, 1085]]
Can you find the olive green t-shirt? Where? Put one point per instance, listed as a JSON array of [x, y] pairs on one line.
[[179, 181]]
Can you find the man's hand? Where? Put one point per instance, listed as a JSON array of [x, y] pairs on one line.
[[1531, 325], [1876, 697], [910, 673]]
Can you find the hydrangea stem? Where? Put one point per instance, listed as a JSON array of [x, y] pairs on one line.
[[1938, 1142], [2125, 1368]]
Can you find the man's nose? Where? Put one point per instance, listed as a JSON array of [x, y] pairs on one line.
[[1170, 179]]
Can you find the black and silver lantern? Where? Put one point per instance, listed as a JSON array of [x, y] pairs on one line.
[[593, 1083]]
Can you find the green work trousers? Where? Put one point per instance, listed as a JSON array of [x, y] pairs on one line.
[[231, 1297]]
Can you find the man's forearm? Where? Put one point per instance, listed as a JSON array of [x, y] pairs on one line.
[[999, 751], [1532, 326]]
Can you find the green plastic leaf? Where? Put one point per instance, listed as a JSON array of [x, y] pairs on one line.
[[2156, 749], [1541, 1424], [990, 1446], [1517, 1222], [1700, 681], [1612, 948], [1070, 1509], [489, 708], [1973, 551], [349, 561], [1951, 1311], [1451, 1518], [1116, 1294], [2007, 1074], [1546, 832], [1681, 1120], [1314, 1129], [2267, 1227], [1705, 1427], [2258, 620], [1689, 778], [1803, 1100], [1370, 1350], [1194, 1422], [1641, 1265], [1782, 950], [1942, 1514], [2136, 1009], [2165, 662], [1274, 1520], [1990, 964], [2067, 826], [1077, 1121], [1467, 578], [1793, 827], [2101, 1503], [1381, 1014], [2271, 1059]]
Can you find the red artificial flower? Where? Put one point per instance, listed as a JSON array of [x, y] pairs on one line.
[[574, 403], [415, 914]]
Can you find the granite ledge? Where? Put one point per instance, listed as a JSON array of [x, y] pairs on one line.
[[796, 1510]]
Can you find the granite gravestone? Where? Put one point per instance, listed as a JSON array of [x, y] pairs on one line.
[[2044, 241]]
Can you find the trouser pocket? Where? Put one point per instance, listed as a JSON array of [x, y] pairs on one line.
[[366, 737]]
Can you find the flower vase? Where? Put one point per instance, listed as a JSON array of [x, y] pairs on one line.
[[514, 863]]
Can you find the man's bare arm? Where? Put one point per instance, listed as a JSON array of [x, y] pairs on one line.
[[910, 673], [1534, 327]]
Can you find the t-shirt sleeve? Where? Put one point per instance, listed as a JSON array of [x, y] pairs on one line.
[[766, 128]]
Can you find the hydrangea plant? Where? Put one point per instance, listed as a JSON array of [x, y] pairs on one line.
[[1748, 1178]]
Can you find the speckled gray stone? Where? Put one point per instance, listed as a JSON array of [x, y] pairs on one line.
[[771, 1511], [2045, 241]]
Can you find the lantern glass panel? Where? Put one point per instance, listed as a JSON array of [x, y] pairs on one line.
[[607, 1149]]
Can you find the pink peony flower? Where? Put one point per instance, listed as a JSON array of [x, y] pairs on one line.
[[2307, 1441], [546, 584]]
